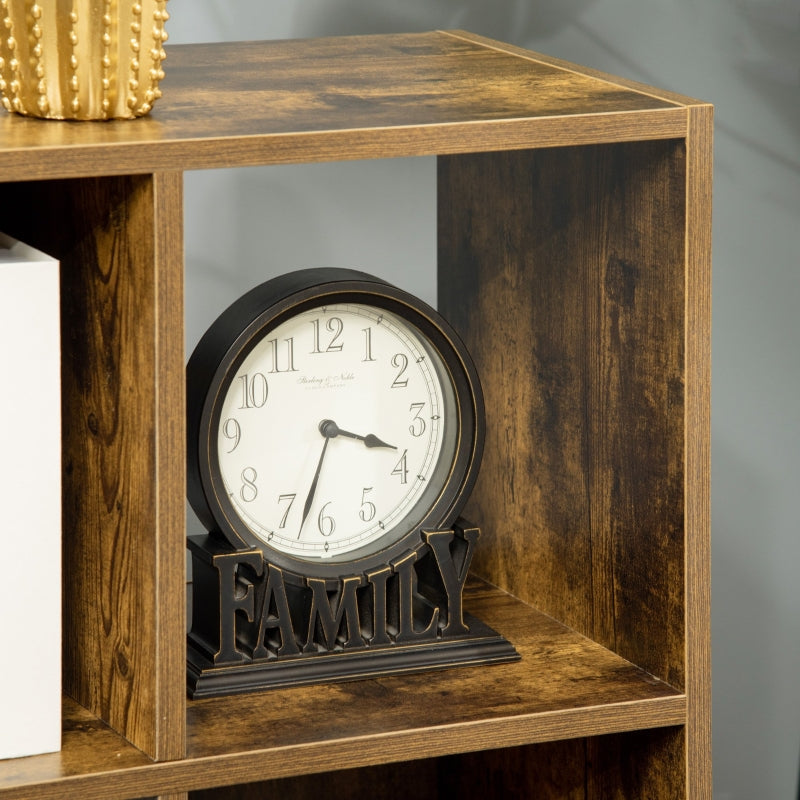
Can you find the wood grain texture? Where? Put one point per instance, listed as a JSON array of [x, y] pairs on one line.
[[562, 64], [594, 486], [120, 246], [581, 489], [341, 98], [385, 782], [551, 770], [565, 686], [625, 767], [579, 274], [698, 450]]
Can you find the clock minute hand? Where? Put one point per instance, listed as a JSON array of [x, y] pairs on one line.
[[328, 429], [370, 440]]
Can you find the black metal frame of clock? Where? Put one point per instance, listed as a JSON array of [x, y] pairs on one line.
[[263, 617]]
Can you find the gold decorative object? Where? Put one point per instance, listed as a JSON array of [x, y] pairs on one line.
[[81, 59]]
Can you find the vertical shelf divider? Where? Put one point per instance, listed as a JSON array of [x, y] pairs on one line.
[[120, 243]]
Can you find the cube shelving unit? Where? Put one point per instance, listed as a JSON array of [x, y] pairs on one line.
[[574, 231]]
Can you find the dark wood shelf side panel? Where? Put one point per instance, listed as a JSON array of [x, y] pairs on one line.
[[564, 271], [700, 170], [120, 244]]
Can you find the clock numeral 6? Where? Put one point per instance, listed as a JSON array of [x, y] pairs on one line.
[[325, 522]]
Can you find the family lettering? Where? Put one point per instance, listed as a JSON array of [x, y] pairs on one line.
[[264, 616]]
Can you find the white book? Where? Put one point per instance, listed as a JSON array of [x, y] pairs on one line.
[[30, 499]]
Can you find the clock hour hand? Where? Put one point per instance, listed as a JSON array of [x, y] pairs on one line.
[[370, 440]]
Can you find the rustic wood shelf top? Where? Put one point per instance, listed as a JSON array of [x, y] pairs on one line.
[[343, 98], [564, 686]]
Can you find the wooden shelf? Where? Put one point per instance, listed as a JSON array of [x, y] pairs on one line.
[[565, 686], [342, 98], [574, 258]]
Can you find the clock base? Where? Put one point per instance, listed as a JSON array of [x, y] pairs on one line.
[[254, 628], [481, 646]]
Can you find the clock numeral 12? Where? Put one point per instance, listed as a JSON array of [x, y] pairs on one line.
[[334, 326]]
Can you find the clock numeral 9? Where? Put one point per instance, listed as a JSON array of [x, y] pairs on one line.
[[367, 510], [232, 430], [255, 390], [400, 361], [334, 326], [249, 490]]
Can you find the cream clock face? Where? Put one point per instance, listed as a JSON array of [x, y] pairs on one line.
[[332, 418], [337, 432]]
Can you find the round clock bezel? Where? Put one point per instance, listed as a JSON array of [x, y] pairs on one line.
[[246, 323]]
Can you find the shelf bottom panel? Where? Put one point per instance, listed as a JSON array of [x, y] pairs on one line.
[[564, 686]]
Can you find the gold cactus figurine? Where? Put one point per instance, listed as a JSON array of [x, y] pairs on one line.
[[91, 59]]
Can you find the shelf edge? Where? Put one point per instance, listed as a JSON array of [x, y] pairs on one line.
[[49, 163], [315, 757]]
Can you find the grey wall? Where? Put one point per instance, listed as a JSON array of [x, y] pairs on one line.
[[744, 56]]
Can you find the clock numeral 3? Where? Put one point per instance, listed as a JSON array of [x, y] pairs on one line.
[[417, 426]]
